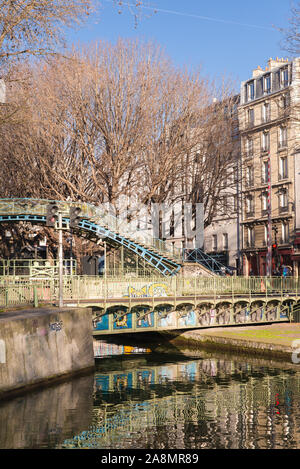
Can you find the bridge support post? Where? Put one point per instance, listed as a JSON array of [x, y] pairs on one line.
[[110, 321], [6, 296], [133, 316], [231, 317], [35, 297]]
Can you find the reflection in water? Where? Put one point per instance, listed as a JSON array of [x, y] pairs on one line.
[[44, 418], [206, 403], [144, 402], [105, 349]]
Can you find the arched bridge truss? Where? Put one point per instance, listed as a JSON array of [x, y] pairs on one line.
[[164, 314], [96, 224]]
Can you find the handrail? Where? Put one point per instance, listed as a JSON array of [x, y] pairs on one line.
[[256, 288], [95, 214]]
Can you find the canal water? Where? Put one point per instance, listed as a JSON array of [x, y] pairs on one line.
[[140, 398]]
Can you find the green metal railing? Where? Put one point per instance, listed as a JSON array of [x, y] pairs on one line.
[[210, 288], [36, 268], [19, 295]]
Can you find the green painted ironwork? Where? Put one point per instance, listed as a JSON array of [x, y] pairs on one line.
[[36, 268], [97, 223], [24, 294], [140, 304]]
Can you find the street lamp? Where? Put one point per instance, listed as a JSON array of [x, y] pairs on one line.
[[275, 246]]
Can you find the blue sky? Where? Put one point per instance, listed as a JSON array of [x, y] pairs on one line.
[[234, 38]]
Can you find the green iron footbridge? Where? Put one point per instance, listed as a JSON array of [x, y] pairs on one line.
[[138, 305], [165, 302], [95, 224]]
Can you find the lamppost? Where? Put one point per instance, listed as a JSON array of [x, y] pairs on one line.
[[274, 246], [53, 216]]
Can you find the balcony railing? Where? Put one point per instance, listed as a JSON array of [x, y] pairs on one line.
[[266, 119], [249, 124], [283, 209], [250, 244], [265, 148], [282, 144]]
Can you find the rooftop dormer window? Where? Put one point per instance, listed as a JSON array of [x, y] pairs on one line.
[[267, 83], [284, 78], [250, 91]]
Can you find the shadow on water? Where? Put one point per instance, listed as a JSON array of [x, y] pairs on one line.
[[170, 346], [45, 417]]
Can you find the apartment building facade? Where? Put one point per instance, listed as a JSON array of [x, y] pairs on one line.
[[269, 130]]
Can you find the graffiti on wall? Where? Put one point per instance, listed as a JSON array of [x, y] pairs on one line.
[[122, 320], [187, 319], [100, 321], [56, 326], [148, 291]]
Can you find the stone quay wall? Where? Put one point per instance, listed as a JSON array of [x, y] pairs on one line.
[[38, 346]]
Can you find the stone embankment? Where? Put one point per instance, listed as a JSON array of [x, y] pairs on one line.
[[278, 341], [41, 345]]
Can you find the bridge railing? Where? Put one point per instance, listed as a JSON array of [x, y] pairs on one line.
[[97, 287], [24, 294], [36, 267]]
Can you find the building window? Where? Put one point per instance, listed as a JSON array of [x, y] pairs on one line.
[[284, 78], [265, 235], [214, 242], [267, 84], [225, 241], [285, 101], [249, 146], [265, 141], [235, 173], [283, 201], [265, 172], [250, 89], [266, 112], [250, 236], [172, 224], [249, 205], [249, 176], [250, 117], [235, 203], [284, 232], [283, 168], [282, 137], [264, 203]]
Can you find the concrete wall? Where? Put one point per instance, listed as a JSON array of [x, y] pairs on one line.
[[39, 345]]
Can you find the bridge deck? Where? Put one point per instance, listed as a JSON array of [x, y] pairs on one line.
[[138, 304]]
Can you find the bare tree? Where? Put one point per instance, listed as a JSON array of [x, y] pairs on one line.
[[35, 26], [291, 41], [213, 163], [38, 26], [119, 120], [90, 120]]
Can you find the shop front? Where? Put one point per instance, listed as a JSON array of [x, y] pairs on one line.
[[255, 262]]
